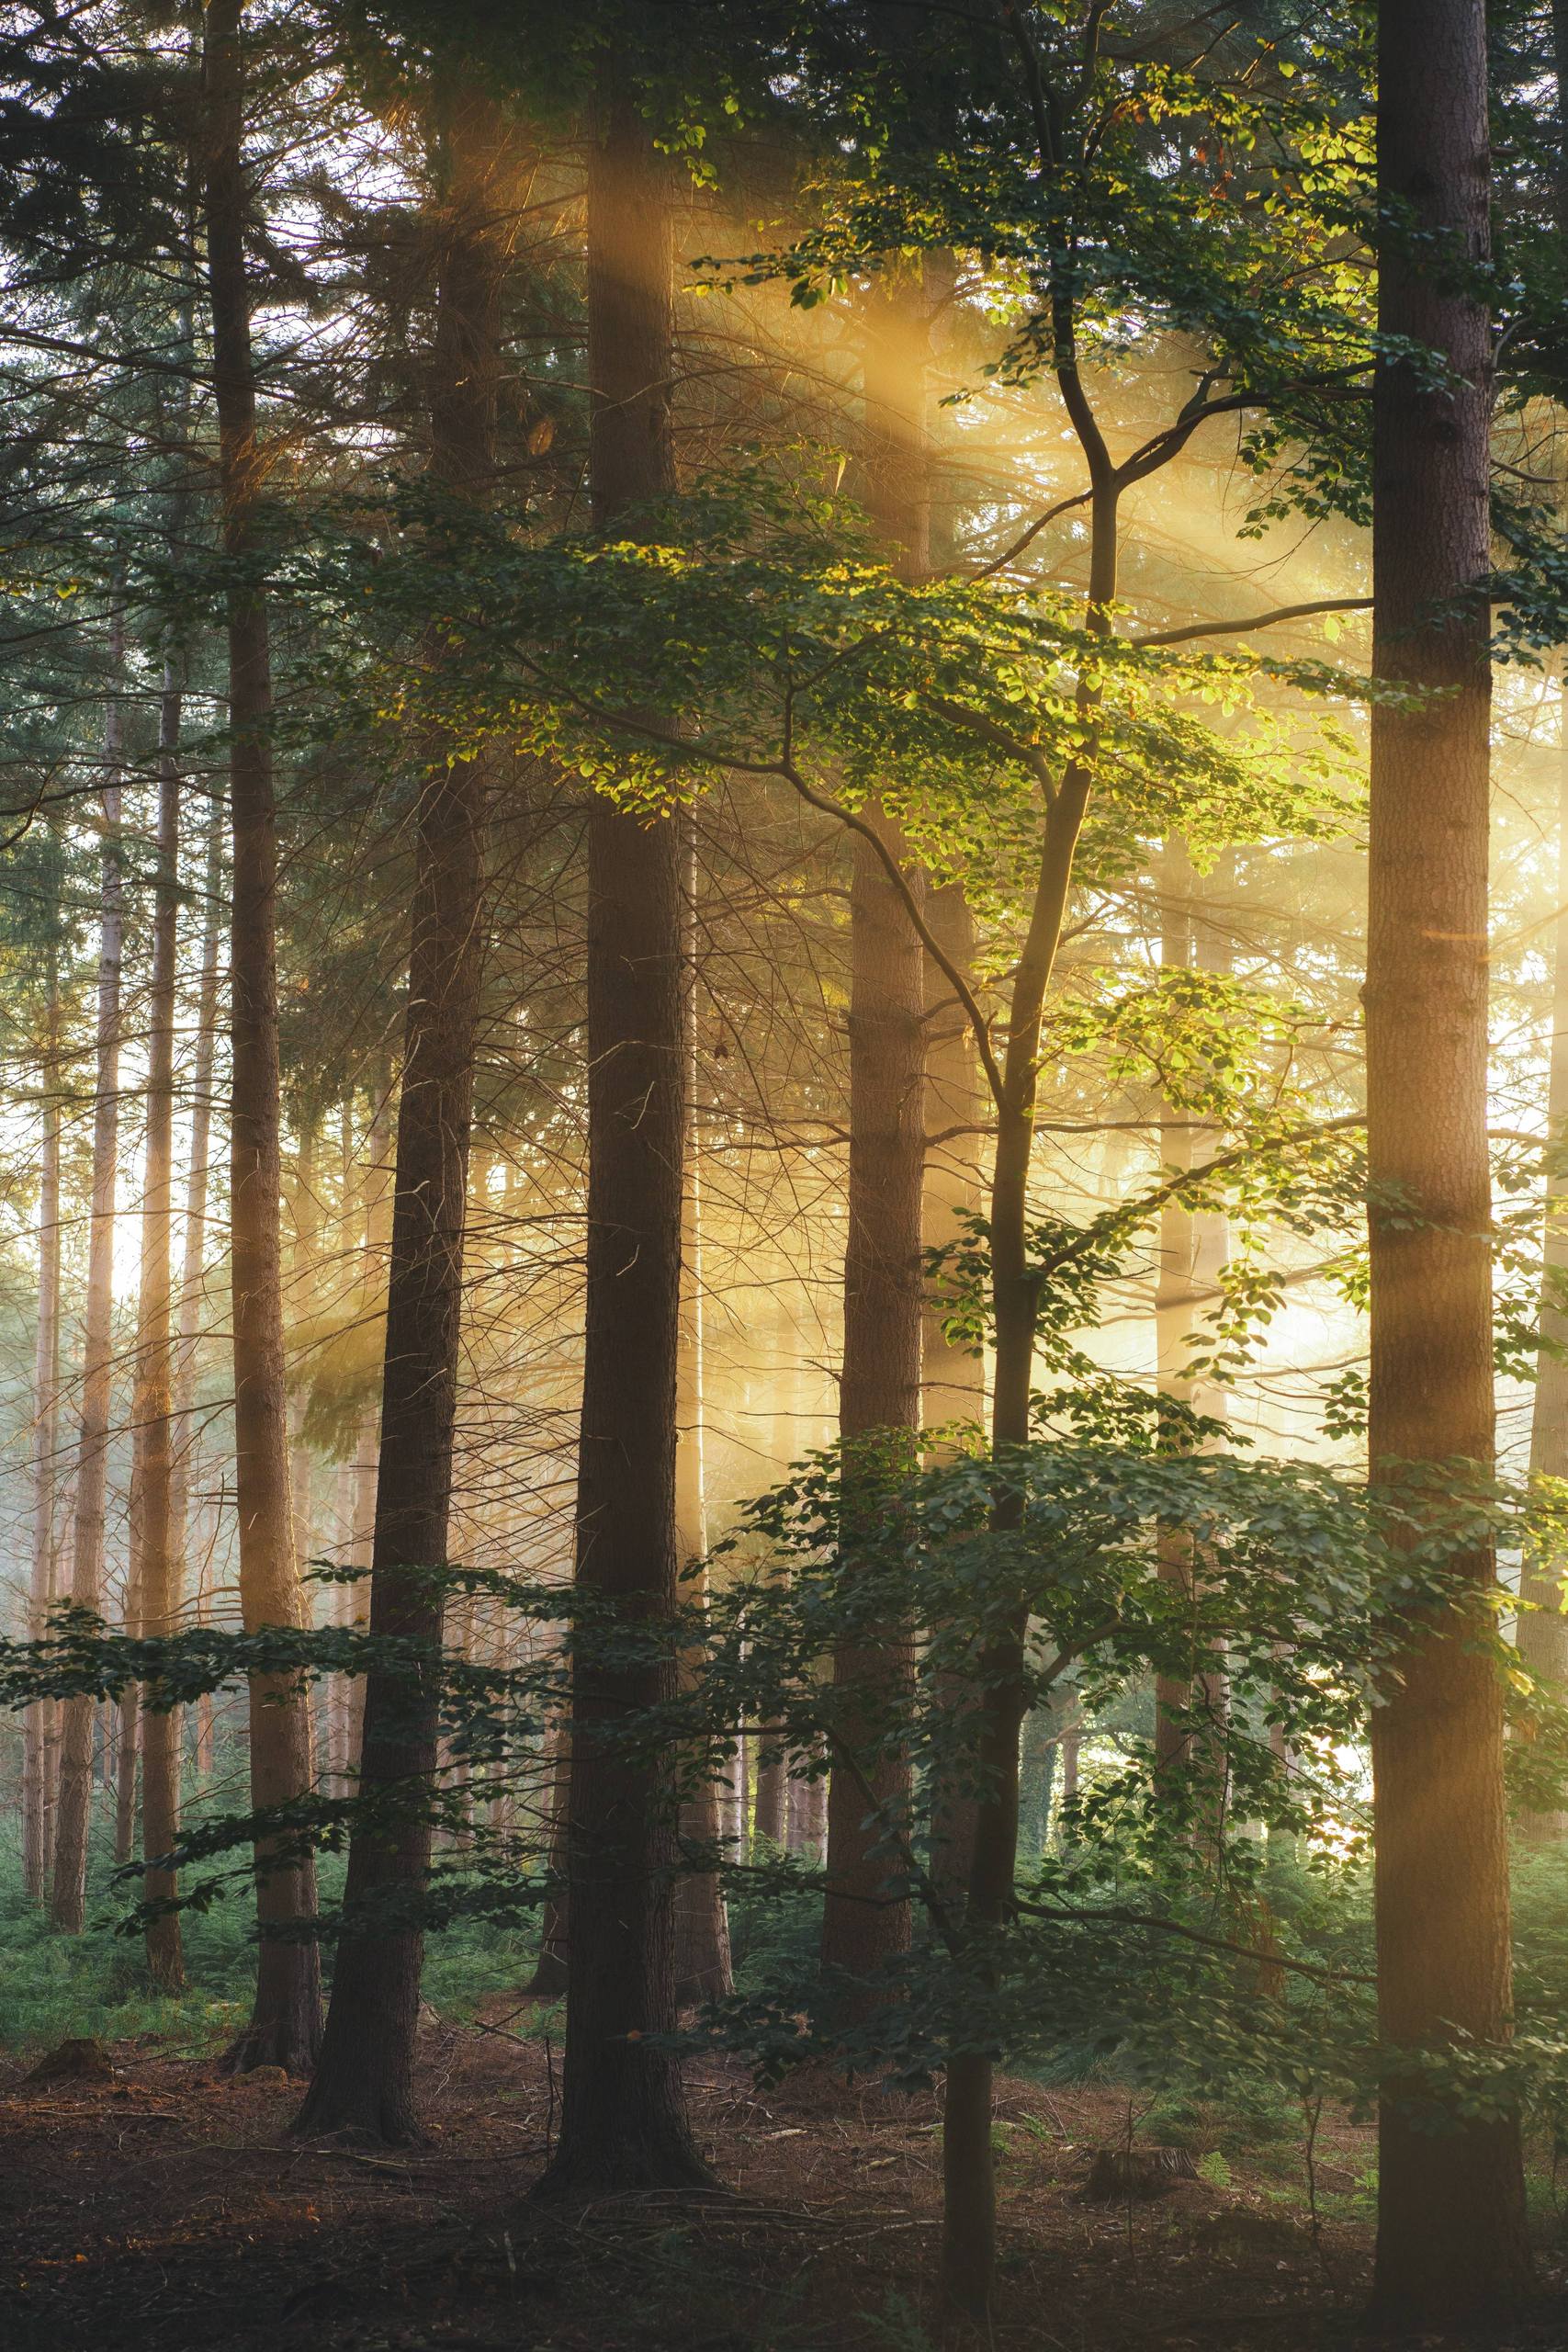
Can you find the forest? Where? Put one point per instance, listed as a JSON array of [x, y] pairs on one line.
[[783, 1175]]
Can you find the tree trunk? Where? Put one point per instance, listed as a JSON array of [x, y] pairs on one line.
[[702, 1924], [1193, 1247], [1543, 1625], [39, 1753], [365, 2080], [157, 1537], [193, 1281], [68, 1900], [865, 1920], [969, 2194], [623, 2117], [952, 1380], [285, 2027], [1450, 2199]]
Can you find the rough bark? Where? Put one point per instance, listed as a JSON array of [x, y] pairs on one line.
[[193, 1251], [865, 1916], [69, 1893], [623, 2117], [701, 1923], [1543, 1625], [154, 1531], [365, 2080], [285, 2025], [40, 1724], [1450, 2201]]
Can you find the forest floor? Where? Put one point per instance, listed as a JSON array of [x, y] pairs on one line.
[[163, 2206]]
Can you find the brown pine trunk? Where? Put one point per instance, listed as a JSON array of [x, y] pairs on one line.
[[1192, 1250], [285, 2027], [1450, 2201], [39, 1753], [154, 1529], [864, 1924], [193, 1286], [702, 1924], [1543, 1629], [1543, 1625], [623, 2116], [365, 2080], [69, 1895]]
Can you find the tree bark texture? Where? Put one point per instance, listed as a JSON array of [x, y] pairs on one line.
[[40, 1724], [285, 2026], [865, 1913], [155, 1534], [365, 2080], [69, 1893], [623, 2115], [1450, 2201]]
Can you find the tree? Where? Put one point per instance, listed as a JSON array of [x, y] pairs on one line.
[[1450, 2193], [365, 2080], [68, 1892], [623, 2120], [160, 1543], [286, 2022]]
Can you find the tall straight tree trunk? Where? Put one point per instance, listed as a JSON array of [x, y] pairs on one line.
[[158, 1539], [365, 2080], [701, 1923], [952, 1380], [1544, 1627], [623, 2114], [193, 1248], [69, 1895], [285, 2026], [865, 1916], [1194, 1246], [39, 1753], [1450, 2201]]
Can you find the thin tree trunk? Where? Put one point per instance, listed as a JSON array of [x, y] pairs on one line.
[[285, 2027], [365, 2080], [193, 1251], [39, 1726], [969, 2195], [69, 1895], [158, 1541], [1450, 2201], [623, 2116], [701, 1922], [866, 1920]]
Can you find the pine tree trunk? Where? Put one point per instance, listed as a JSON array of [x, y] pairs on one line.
[[285, 2026], [701, 1923], [1543, 1625], [865, 1922], [623, 2116], [365, 2080], [154, 1527], [40, 1724], [69, 1895], [193, 1253], [1450, 2201]]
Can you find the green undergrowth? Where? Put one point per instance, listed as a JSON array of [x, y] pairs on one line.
[[53, 1986]]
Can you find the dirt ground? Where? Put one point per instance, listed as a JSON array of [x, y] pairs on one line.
[[162, 2207]]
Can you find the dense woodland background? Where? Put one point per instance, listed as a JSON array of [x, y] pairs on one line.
[[783, 1050]]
